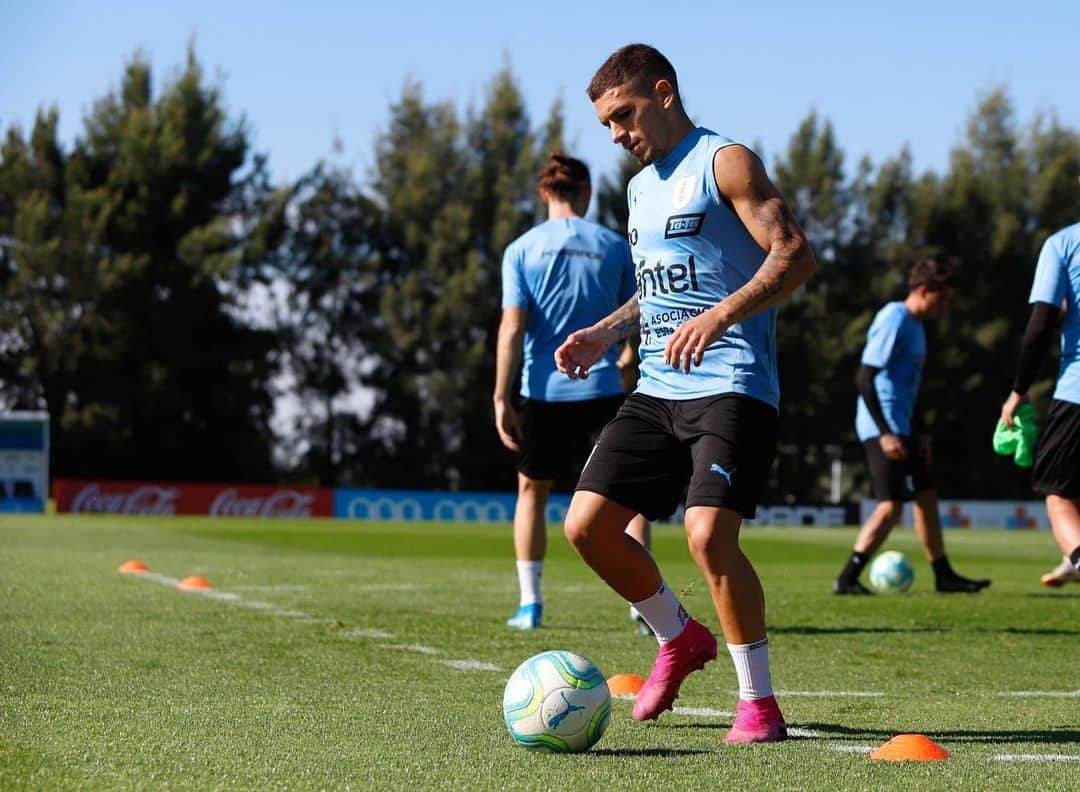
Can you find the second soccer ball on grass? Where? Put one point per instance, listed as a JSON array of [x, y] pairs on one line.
[[891, 572]]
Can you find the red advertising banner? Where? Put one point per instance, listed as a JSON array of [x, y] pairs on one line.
[[214, 500]]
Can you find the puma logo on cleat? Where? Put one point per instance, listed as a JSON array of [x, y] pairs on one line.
[[557, 719], [715, 468]]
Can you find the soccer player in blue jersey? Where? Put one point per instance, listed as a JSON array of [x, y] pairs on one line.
[[890, 428], [561, 274], [715, 250], [1056, 475]]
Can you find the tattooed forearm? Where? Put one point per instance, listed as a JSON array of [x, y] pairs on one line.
[[788, 264], [623, 321]]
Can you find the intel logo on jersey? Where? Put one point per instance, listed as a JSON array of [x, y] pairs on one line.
[[683, 225]]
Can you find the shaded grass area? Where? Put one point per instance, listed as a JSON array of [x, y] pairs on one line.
[[112, 682]]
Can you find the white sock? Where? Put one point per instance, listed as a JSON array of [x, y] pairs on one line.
[[529, 580], [664, 613], [752, 668]]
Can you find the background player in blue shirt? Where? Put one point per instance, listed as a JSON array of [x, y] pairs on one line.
[[888, 424], [715, 250], [1057, 458], [556, 277]]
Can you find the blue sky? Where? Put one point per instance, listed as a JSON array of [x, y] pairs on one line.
[[305, 73]]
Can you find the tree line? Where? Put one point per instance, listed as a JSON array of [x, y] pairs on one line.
[[182, 317]]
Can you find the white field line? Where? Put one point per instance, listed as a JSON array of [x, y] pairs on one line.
[[272, 588], [1037, 757], [224, 596], [418, 648], [1040, 693], [375, 634], [806, 734], [856, 749], [469, 665], [831, 693], [701, 712]]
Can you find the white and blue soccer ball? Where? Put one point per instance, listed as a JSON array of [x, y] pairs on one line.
[[557, 702], [891, 572]]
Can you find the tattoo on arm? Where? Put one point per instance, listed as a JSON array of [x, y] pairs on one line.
[[772, 282], [624, 320]]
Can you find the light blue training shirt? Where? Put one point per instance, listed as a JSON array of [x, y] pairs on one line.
[[567, 274], [690, 252], [896, 344], [1057, 281]]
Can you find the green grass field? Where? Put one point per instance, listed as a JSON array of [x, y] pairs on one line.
[[327, 662]]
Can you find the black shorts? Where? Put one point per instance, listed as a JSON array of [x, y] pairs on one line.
[[1057, 457], [722, 445], [897, 479], [557, 436]]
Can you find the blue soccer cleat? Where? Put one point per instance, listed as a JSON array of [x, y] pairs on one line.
[[527, 617]]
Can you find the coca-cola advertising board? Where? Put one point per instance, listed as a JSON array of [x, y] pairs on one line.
[[213, 500]]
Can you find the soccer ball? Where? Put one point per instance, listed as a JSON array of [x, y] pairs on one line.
[[891, 572], [557, 702]]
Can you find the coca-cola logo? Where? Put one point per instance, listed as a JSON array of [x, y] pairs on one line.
[[141, 500], [283, 503]]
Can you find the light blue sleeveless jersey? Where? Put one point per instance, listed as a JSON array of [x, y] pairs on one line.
[[1057, 281], [896, 344], [690, 252], [566, 274]]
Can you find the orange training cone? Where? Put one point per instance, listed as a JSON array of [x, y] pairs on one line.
[[625, 684], [911, 748], [194, 583], [132, 567]]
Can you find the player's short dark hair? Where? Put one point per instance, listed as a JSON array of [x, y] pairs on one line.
[[933, 274], [636, 65], [564, 177]]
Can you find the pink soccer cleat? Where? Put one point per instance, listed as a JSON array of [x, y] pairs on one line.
[[756, 722], [690, 651]]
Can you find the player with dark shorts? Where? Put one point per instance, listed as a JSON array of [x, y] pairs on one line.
[[890, 428], [1056, 475], [715, 250], [558, 275]]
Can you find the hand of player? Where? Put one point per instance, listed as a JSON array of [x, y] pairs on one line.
[[1009, 408], [892, 446], [690, 339], [508, 425], [581, 350]]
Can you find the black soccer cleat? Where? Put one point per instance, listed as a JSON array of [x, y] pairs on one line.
[[958, 584], [840, 586]]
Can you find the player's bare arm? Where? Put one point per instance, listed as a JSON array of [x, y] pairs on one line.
[[790, 262], [507, 363], [583, 348]]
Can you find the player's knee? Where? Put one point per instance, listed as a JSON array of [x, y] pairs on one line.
[[710, 545], [577, 532], [896, 510]]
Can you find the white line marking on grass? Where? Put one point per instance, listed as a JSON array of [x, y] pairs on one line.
[[625, 697], [469, 665], [806, 734], [365, 634], [418, 648], [856, 749], [154, 577], [276, 587], [831, 693], [1037, 758], [1040, 693], [701, 712]]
